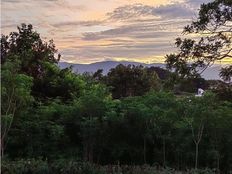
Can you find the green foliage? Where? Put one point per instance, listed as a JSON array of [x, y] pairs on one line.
[[119, 123], [75, 167], [58, 84], [226, 73], [27, 46], [15, 92], [25, 166], [223, 92], [131, 81], [152, 128], [15, 87]]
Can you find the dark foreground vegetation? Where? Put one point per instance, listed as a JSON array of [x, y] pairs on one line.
[[75, 167], [134, 120]]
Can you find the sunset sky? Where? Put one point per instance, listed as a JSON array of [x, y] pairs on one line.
[[87, 31]]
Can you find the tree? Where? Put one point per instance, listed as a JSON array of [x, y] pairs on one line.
[[15, 92], [140, 119], [131, 81], [30, 49], [93, 106], [163, 74], [58, 83], [226, 73], [213, 43], [163, 112], [195, 115], [219, 126]]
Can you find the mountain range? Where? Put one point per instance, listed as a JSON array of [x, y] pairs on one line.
[[209, 74]]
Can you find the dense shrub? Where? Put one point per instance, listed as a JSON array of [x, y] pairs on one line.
[[32, 166]]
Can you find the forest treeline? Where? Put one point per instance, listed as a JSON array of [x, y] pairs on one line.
[[56, 121], [132, 115]]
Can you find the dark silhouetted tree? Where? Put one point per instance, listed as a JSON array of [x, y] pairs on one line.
[[213, 33]]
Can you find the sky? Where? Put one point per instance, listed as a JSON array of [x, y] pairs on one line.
[[87, 31]]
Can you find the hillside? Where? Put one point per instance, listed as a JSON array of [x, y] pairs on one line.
[[210, 74]]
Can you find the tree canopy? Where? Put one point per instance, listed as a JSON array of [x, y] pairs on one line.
[[212, 32], [27, 46]]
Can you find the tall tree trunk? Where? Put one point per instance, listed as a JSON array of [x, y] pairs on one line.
[[85, 152], [218, 153], [144, 149], [90, 153], [197, 140], [2, 149], [196, 155], [164, 153], [218, 163], [181, 161]]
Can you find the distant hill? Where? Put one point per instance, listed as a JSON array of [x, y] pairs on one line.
[[210, 73]]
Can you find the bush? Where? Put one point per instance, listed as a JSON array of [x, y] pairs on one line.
[[63, 166], [30, 166], [204, 171]]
